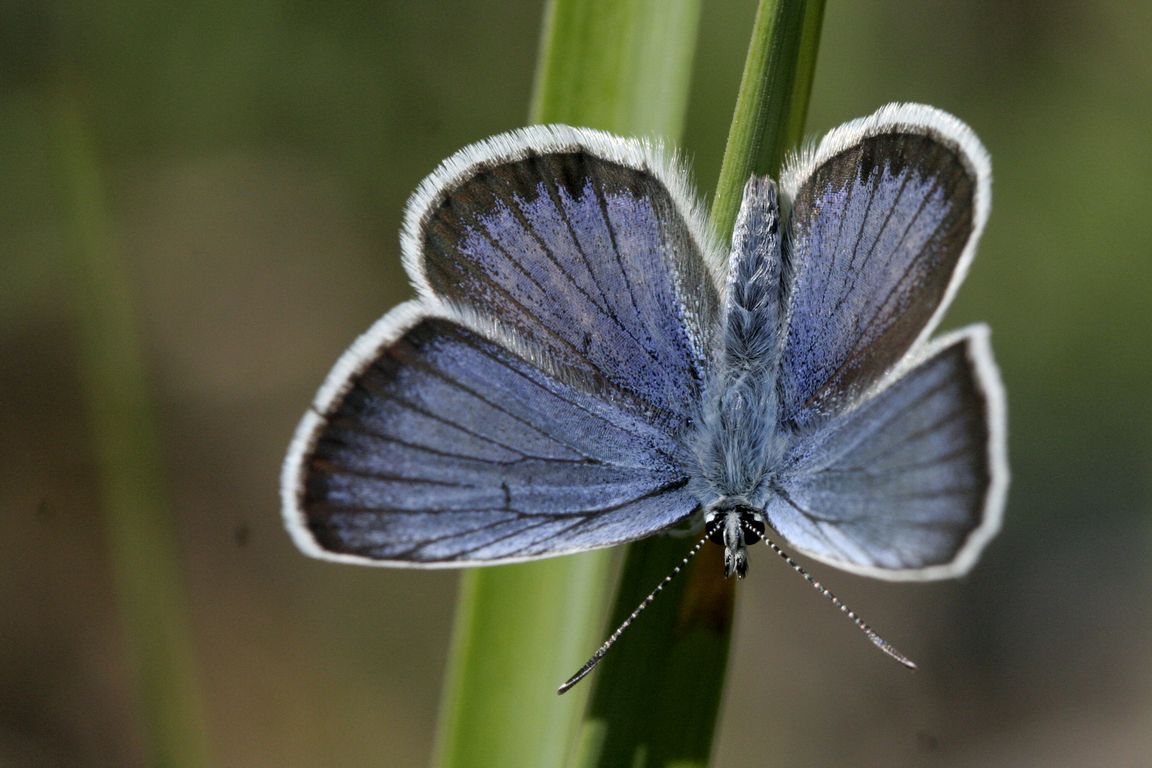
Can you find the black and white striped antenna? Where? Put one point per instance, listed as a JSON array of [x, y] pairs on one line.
[[871, 634], [603, 649], [878, 641]]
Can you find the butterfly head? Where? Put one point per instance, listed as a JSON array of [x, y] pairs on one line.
[[733, 524]]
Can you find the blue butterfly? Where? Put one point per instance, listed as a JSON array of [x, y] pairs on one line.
[[585, 365]]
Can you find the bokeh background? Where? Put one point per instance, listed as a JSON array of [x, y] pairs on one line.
[[254, 159]]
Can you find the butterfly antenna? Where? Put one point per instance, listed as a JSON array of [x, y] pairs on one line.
[[603, 649], [878, 641]]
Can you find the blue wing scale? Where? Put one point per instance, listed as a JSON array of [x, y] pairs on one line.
[[448, 448], [910, 482]]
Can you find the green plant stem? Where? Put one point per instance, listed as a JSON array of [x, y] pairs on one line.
[[657, 694], [622, 66], [773, 100], [139, 528]]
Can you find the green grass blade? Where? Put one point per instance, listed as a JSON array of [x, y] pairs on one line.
[[133, 497], [623, 66], [657, 695], [519, 631]]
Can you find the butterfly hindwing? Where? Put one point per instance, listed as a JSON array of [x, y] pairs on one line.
[[585, 246], [434, 446], [884, 220]]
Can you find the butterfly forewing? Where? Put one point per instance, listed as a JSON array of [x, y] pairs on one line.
[[910, 483], [444, 448], [883, 223]]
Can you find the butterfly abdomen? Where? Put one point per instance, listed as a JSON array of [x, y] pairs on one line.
[[738, 441], [753, 304]]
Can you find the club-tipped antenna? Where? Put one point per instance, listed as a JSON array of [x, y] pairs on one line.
[[878, 641], [603, 649]]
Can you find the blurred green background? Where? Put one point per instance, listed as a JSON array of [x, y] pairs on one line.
[[254, 160]]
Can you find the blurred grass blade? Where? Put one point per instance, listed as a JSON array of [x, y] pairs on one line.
[[119, 405], [622, 66], [657, 694]]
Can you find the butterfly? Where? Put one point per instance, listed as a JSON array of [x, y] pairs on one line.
[[586, 365]]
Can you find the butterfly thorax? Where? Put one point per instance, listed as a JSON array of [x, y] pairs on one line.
[[738, 442], [739, 448]]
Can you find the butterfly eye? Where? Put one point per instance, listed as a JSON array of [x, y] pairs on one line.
[[716, 534], [749, 521], [753, 525]]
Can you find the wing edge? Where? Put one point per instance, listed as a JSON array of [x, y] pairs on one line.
[[640, 154], [353, 361]]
